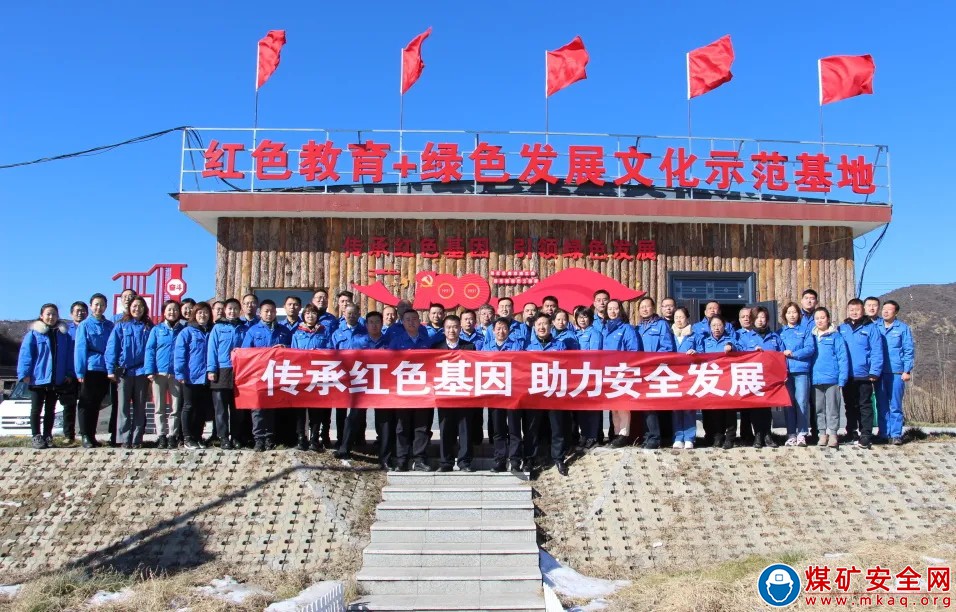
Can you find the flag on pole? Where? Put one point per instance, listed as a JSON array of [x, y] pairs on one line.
[[566, 66], [270, 46], [845, 76], [412, 64], [708, 67]]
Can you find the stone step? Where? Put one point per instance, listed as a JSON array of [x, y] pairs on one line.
[[455, 511], [453, 478], [451, 554], [449, 580], [463, 492], [511, 602], [436, 532]]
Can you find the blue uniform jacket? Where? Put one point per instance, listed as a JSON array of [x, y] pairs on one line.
[[224, 337], [518, 334], [686, 341], [830, 363], [709, 344], [43, 362], [569, 337], [366, 342], [401, 341], [749, 340], [898, 346], [159, 348], [656, 335], [620, 336], [864, 344], [702, 327], [552, 344], [435, 333], [263, 335], [509, 345], [342, 338], [799, 340], [476, 337], [71, 329], [91, 338], [189, 355], [126, 348], [319, 337], [290, 325], [589, 339]]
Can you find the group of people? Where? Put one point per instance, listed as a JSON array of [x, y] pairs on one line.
[[185, 363]]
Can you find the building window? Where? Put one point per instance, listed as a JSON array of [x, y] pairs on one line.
[[725, 287]]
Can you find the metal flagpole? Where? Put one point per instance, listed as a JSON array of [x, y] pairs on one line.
[[690, 140], [546, 110], [820, 84], [255, 123], [401, 112]]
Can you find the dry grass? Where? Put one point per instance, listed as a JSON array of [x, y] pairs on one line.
[[931, 402], [71, 590], [731, 586]]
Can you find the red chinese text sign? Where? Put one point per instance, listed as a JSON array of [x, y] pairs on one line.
[[568, 380]]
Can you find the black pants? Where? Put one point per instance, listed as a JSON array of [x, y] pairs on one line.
[[94, 388], [114, 409], [340, 415], [859, 407], [589, 423], [413, 431], [354, 431], [455, 430], [197, 400], [68, 396], [761, 419], [558, 420], [498, 432], [652, 427], [230, 421], [523, 427], [720, 422], [263, 424], [666, 422], [385, 428], [42, 399], [477, 426], [320, 421]]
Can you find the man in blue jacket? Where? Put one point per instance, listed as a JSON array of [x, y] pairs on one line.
[[898, 361], [656, 337], [498, 418], [69, 396], [321, 301], [808, 304], [413, 425], [864, 344], [267, 332], [350, 327], [90, 367], [471, 333], [436, 314], [506, 309], [542, 339]]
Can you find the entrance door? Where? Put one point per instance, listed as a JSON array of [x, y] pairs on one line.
[[733, 290]]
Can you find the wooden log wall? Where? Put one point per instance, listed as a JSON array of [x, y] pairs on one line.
[[301, 253]]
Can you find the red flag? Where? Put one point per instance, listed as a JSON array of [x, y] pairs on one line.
[[845, 76], [709, 67], [412, 64], [566, 65], [269, 48]]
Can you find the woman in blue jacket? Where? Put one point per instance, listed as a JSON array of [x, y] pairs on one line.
[[312, 335], [45, 365], [189, 365], [619, 335], [759, 337], [126, 365], [720, 424], [799, 347], [233, 426], [685, 341], [587, 422], [159, 371], [830, 370]]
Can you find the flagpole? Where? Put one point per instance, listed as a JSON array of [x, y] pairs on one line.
[[401, 111], [690, 140], [546, 112], [255, 122], [820, 85]]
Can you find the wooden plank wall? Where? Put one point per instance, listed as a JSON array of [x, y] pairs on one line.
[[300, 253]]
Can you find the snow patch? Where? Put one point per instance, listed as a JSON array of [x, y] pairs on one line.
[[11, 503], [10, 591], [327, 596], [934, 560], [228, 589], [101, 598], [566, 581]]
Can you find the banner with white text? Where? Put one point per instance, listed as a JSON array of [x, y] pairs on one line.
[[565, 380]]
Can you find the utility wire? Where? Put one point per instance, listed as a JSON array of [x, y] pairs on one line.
[[94, 150]]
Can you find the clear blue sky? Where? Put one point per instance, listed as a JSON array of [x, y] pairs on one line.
[[80, 75]]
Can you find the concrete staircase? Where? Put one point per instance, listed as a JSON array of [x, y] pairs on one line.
[[452, 541]]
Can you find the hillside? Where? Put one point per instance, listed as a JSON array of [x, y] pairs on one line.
[[931, 312]]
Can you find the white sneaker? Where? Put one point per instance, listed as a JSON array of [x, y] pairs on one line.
[[688, 445], [801, 440], [678, 445], [791, 441]]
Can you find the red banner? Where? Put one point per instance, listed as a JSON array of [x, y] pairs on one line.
[[567, 380]]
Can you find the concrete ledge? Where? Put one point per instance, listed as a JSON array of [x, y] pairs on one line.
[[454, 531], [514, 602]]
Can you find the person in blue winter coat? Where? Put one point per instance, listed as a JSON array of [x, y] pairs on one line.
[[266, 333], [350, 326], [656, 337], [501, 420], [685, 341], [506, 311], [159, 371], [526, 436], [320, 299], [864, 344], [619, 335], [436, 314], [190, 355], [90, 367], [759, 337], [413, 426], [45, 364], [563, 330], [808, 308], [232, 426], [126, 365], [471, 333], [69, 394], [898, 361], [586, 424], [711, 309], [126, 297], [830, 370], [720, 424], [799, 347], [311, 335], [250, 309]]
